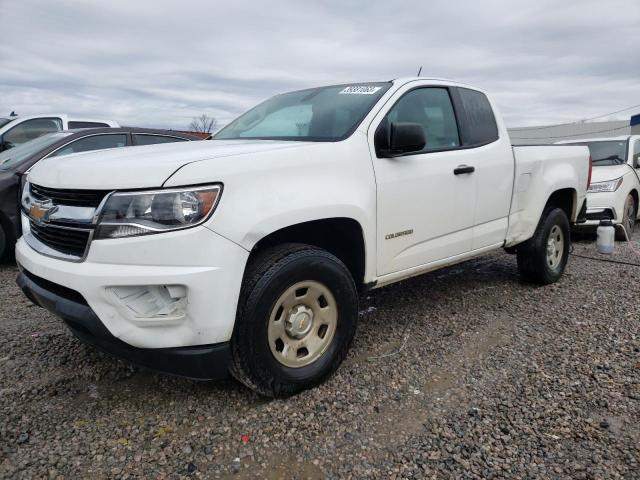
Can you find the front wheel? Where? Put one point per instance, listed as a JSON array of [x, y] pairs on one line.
[[543, 258], [297, 316], [628, 219]]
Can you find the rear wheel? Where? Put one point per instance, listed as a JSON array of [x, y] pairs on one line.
[[628, 219], [3, 244], [296, 319], [543, 258]]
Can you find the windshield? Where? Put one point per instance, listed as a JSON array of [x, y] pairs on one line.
[[325, 114], [607, 153], [4, 121], [16, 155]]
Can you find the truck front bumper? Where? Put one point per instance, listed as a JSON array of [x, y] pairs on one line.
[[201, 362], [165, 301], [603, 206]]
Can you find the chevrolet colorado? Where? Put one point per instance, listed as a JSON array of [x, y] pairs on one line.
[[247, 253]]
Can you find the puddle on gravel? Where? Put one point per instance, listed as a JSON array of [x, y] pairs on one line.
[[391, 425], [284, 469], [442, 391], [131, 387]]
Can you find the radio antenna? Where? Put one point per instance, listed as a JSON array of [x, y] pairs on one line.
[[419, 71]]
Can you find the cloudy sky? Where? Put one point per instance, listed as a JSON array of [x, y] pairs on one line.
[[158, 63]]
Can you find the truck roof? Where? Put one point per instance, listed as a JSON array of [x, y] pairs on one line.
[[404, 80]]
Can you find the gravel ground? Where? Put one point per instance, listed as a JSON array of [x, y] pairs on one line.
[[494, 379]]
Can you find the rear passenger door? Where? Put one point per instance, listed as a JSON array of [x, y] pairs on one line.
[[492, 158], [153, 139]]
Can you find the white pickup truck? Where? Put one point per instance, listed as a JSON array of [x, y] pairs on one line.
[[247, 253], [16, 130]]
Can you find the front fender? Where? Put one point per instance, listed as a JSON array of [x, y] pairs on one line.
[[279, 189]]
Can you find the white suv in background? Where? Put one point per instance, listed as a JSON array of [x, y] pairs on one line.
[[615, 184], [16, 130]]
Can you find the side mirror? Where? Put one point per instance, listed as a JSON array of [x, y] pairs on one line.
[[395, 139]]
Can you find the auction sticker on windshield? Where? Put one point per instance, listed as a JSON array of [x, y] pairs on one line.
[[361, 90]]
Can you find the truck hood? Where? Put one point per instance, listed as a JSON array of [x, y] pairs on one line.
[[609, 172], [146, 166]]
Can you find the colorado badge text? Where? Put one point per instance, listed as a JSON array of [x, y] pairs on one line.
[[398, 234]]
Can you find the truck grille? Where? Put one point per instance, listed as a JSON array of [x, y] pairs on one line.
[[64, 240], [72, 198]]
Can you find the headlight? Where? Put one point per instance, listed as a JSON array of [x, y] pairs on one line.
[[610, 186], [128, 214]]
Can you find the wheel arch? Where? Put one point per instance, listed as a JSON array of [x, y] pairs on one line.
[[566, 199], [636, 198], [341, 236]]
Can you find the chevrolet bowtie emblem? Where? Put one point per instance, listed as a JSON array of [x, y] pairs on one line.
[[41, 210]]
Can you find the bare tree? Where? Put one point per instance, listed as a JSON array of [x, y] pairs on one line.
[[204, 123]]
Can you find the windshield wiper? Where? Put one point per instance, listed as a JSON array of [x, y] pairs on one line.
[[610, 157]]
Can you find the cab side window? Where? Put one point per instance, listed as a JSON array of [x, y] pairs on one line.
[[636, 154], [478, 122], [431, 108], [30, 129], [94, 142]]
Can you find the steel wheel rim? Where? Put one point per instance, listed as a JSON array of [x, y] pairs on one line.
[[302, 324], [555, 247]]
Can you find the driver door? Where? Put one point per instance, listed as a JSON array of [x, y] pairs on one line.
[[425, 199]]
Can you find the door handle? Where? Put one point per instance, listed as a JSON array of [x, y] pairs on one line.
[[461, 169]]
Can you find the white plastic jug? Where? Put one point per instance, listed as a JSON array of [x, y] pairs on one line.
[[606, 237]]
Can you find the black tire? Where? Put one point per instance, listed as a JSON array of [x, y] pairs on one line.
[[628, 219], [3, 244], [268, 275], [533, 261]]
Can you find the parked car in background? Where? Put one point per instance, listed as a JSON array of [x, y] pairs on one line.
[[614, 192], [17, 130], [14, 163], [247, 253]]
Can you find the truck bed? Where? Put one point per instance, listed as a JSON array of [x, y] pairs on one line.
[[540, 170]]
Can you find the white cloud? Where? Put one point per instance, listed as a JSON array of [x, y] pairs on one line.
[[155, 63]]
